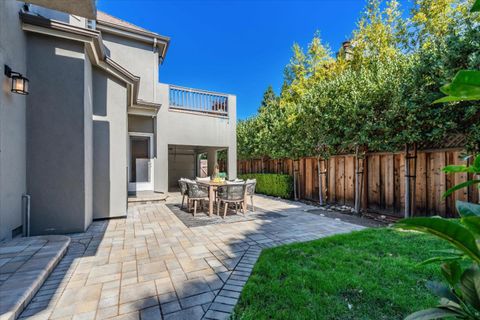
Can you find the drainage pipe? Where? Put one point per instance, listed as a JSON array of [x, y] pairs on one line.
[[26, 214]]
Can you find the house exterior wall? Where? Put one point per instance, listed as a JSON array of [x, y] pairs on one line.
[[58, 147], [110, 138], [138, 58], [143, 124], [182, 128], [12, 121]]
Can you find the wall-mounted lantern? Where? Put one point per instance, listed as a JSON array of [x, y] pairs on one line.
[[19, 82]]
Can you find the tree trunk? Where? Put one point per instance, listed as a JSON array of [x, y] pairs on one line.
[[320, 183], [295, 189], [413, 206], [407, 183], [358, 180]]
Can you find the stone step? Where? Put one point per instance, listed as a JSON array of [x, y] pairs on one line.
[[146, 197], [25, 264]]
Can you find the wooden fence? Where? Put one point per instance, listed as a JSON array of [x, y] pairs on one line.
[[383, 182]]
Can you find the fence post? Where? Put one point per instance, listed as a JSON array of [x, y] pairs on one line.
[[320, 183], [409, 195]]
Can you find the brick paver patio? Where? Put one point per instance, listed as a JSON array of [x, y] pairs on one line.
[[151, 266]]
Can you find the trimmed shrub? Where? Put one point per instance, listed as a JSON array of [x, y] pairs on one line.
[[278, 185]]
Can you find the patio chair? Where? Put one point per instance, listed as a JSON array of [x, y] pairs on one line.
[[196, 192], [182, 183], [206, 179], [251, 184], [231, 194]]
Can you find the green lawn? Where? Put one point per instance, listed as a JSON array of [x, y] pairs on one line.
[[371, 274]]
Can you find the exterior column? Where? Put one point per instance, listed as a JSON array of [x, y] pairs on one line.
[[212, 160], [232, 145]]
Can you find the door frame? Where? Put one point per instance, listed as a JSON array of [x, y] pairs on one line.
[[141, 186]]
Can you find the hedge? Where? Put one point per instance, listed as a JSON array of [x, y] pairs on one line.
[[278, 185]]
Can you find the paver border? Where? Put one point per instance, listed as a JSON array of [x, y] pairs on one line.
[[16, 308]]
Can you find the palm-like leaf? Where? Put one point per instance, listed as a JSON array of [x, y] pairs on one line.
[[442, 291], [476, 6], [470, 286], [448, 230], [467, 209], [432, 313], [461, 186], [472, 224], [465, 86]]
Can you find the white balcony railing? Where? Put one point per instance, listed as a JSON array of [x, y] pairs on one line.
[[198, 101]]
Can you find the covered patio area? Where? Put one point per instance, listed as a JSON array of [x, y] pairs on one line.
[[186, 161]]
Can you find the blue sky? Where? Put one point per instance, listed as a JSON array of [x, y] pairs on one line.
[[238, 47]]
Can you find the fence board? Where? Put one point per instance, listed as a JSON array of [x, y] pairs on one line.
[[340, 180], [374, 182], [308, 179]]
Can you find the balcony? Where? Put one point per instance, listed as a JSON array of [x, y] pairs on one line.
[[198, 101]]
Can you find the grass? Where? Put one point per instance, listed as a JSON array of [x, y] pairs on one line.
[[370, 274]]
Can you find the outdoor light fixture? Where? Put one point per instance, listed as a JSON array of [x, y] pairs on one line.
[[19, 82]]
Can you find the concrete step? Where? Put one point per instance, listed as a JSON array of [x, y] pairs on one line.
[[146, 197], [25, 264]]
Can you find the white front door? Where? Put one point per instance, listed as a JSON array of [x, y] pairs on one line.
[[140, 173]]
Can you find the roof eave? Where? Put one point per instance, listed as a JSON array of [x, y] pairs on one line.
[[162, 42], [93, 39]]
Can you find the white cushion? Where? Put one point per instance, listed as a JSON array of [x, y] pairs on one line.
[[235, 182], [206, 179]]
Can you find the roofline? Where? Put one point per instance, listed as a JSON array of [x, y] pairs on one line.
[[95, 50], [139, 35]]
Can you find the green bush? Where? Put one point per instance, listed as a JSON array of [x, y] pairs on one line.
[[278, 185]]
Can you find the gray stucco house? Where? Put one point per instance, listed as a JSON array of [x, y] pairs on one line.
[[97, 124]]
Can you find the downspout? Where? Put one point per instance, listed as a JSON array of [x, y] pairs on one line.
[[26, 217]]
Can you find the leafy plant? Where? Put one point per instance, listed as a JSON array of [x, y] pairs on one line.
[[472, 169], [465, 86], [460, 296]]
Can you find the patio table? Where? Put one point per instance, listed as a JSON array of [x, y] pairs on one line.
[[212, 186]]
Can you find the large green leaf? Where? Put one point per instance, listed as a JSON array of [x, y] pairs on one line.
[[433, 313], [470, 286], [472, 224], [441, 259], [458, 168], [456, 99], [476, 163], [441, 291], [461, 186], [448, 230], [467, 209], [464, 86], [452, 272], [466, 83], [476, 6]]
